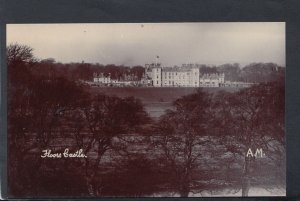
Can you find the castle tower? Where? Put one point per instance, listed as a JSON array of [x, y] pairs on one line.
[[195, 77], [156, 76]]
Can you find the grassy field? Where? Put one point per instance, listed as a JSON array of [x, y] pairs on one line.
[[156, 100]]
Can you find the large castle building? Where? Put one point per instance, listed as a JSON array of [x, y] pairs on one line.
[[155, 75], [188, 75]]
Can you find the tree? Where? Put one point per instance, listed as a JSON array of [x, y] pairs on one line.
[[103, 120], [35, 117], [262, 72], [207, 69], [253, 118], [232, 71], [83, 71], [19, 60], [138, 71], [19, 53], [182, 133]]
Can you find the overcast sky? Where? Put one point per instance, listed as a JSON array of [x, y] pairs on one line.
[[137, 43]]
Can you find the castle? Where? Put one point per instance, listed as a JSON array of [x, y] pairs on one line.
[[155, 75], [188, 75]]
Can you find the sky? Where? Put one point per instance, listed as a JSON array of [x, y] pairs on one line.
[[133, 44]]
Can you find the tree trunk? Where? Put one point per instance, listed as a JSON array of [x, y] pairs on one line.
[[184, 193], [246, 178], [245, 188], [184, 190]]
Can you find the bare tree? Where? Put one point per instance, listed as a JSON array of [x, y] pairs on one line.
[[19, 53], [103, 119], [253, 119], [35, 116], [182, 137]]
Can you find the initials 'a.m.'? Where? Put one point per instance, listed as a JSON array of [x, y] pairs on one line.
[[258, 153]]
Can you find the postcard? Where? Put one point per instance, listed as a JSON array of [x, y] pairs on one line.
[[146, 109]]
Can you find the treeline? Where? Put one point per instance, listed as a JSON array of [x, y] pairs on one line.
[[254, 72], [199, 146], [85, 71]]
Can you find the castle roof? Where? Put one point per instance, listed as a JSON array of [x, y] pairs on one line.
[[177, 69]]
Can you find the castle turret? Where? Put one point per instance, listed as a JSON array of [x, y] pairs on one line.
[[156, 76]]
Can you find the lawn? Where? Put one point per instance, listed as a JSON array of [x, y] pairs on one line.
[[156, 100]]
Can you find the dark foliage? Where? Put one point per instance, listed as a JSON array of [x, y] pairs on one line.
[[198, 146]]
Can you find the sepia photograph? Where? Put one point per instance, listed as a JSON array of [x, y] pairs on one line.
[[146, 109]]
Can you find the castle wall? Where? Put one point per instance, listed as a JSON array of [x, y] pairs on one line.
[[156, 77]]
